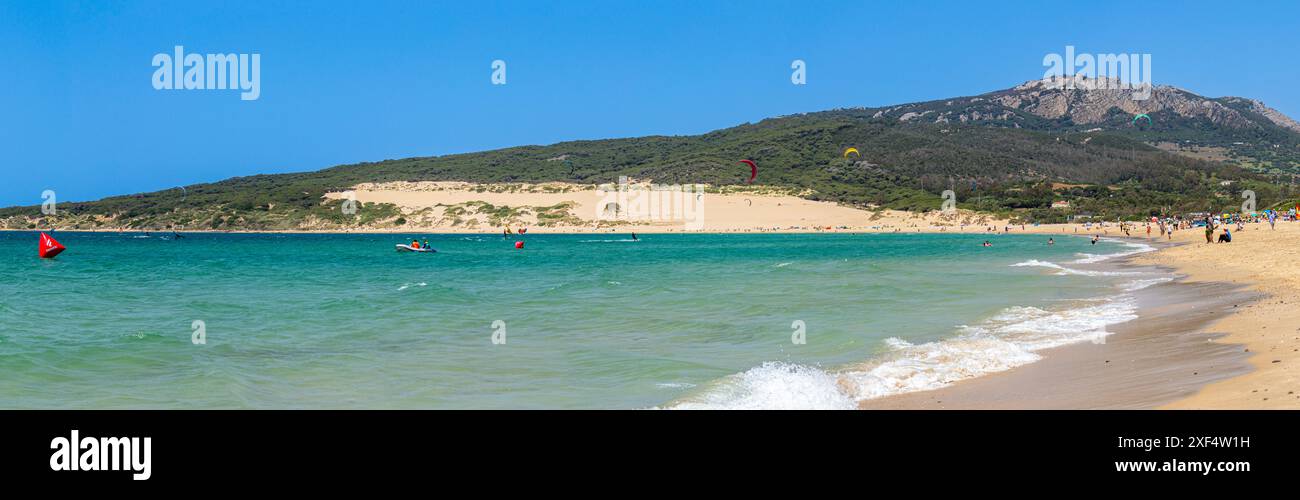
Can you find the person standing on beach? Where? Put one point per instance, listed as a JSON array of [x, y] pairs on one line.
[[1209, 231]]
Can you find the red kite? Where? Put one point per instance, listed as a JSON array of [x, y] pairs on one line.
[[753, 169]]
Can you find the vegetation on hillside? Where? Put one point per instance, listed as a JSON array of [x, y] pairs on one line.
[[1009, 167]]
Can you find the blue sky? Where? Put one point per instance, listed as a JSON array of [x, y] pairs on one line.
[[344, 82]]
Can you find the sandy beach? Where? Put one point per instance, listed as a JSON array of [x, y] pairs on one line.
[[1165, 355], [1224, 335], [1268, 330]]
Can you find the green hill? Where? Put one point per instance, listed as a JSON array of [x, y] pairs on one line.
[[1000, 152]]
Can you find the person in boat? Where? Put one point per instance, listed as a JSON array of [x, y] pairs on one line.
[[425, 243], [415, 244]]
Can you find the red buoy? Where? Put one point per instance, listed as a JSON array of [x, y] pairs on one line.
[[519, 244], [48, 247]]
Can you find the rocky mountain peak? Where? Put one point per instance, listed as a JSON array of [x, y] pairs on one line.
[[1090, 100]]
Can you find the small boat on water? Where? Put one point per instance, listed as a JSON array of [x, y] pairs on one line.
[[409, 248]]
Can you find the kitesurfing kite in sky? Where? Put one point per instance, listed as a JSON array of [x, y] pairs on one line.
[[753, 169]]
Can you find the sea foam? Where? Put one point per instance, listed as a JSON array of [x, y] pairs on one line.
[[1009, 339], [1132, 249], [773, 386], [1062, 270]]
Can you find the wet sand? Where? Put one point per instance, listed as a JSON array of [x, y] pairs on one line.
[[1168, 353], [1266, 261], [1226, 335]]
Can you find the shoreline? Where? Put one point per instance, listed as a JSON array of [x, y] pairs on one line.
[[1167, 353], [1229, 343], [1267, 330], [460, 208], [1252, 272]]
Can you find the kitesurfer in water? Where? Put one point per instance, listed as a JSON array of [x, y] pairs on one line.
[[634, 237]]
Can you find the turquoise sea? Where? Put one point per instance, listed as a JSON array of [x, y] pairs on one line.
[[589, 321]]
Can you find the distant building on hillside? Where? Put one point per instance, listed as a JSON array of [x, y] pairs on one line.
[[1061, 204]]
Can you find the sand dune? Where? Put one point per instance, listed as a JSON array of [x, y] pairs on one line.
[[436, 206]]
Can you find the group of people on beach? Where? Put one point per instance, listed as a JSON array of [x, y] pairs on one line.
[[1212, 223], [1211, 226]]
